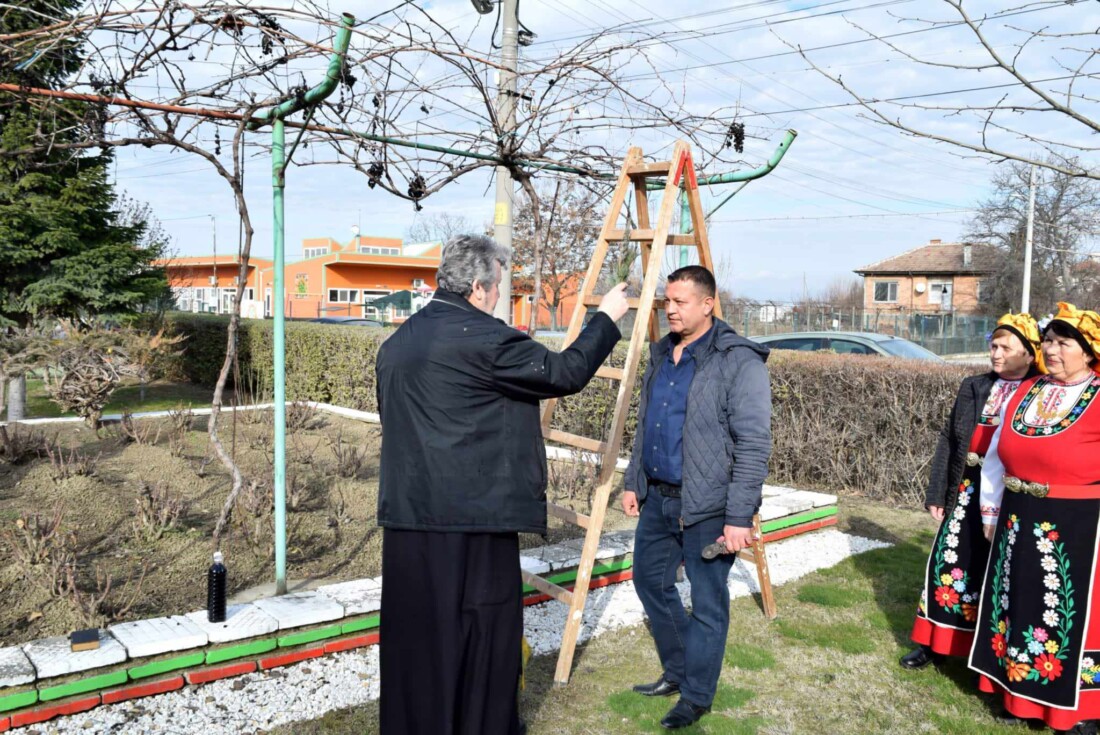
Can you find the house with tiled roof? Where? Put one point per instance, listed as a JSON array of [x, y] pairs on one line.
[[937, 278]]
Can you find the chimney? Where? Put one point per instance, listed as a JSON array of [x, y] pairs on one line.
[[934, 242], [968, 255]]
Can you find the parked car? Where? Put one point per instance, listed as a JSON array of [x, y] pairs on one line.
[[351, 321], [848, 343]]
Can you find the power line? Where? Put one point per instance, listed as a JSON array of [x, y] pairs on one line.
[[848, 216]]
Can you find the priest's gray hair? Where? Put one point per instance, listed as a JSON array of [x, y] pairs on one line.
[[469, 258]]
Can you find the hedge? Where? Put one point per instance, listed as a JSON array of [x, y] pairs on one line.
[[844, 423]]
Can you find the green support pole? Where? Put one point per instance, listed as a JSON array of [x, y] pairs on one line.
[[278, 183], [279, 160]]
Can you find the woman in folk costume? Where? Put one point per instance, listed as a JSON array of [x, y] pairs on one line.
[[953, 578], [1038, 636]]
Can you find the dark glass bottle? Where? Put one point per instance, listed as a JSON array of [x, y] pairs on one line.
[[215, 590]]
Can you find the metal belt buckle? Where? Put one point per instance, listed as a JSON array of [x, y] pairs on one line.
[[1016, 485]]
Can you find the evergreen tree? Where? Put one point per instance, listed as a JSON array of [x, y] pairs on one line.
[[69, 246]]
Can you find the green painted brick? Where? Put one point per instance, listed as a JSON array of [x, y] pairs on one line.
[[794, 520], [18, 701], [248, 649], [567, 577], [309, 636], [171, 664], [371, 621], [81, 686]]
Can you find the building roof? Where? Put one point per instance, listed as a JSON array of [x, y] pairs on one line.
[[205, 260], [937, 258]]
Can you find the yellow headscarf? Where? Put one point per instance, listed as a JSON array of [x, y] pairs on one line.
[[1024, 327], [1087, 323]]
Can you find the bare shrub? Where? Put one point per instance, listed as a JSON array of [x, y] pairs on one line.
[[302, 416], [571, 482], [299, 492], [253, 512], [157, 509], [304, 451], [350, 459], [73, 463], [18, 444], [103, 603], [138, 433], [36, 537], [254, 417], [201, 465], [181, 419]]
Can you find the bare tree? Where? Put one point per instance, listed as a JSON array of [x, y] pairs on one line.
[[1037, 100], [438, 227], [1067, 216], [571, 217]]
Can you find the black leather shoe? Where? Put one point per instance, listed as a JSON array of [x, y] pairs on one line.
[[660, 688], [918, 658], [683, 714], [1088, 727]]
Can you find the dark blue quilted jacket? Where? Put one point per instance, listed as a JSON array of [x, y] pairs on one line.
[[727, 430]]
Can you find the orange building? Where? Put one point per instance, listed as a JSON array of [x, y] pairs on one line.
[[207, 283], [336, 279]]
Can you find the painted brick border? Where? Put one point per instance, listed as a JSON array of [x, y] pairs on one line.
[[41, 714], [347, 644], [114, 696], [19, 700], [799, 529], [205, 676], [283, 659]]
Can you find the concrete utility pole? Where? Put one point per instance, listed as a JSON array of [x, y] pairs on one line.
[[506, 113], [1025, 299]]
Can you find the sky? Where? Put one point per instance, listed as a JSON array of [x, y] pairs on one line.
[[849, 192]]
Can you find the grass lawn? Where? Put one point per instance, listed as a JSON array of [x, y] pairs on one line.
[[159, 396], [827, 665]]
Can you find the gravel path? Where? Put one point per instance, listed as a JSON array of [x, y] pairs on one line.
[[308, 690]]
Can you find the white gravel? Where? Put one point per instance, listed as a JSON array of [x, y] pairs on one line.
[[307, 690]]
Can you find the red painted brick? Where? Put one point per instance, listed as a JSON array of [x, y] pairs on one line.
[[5, 724], [801, 528], [291, 658], [143, 690], [41, 714], [202, 676], [346, 644], [595, 583]]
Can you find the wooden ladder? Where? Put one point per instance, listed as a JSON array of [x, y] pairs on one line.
[[652, 241]]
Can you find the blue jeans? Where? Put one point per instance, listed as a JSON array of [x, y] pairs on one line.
[[691, 647]]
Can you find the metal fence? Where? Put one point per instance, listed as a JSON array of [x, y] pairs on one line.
[[942, 333]]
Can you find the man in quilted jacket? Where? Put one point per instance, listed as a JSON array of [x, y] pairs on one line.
[[695, 477]]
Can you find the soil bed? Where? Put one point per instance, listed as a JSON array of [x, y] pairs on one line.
[[330, 521]]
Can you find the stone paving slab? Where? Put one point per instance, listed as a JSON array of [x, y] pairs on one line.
[[241, 621], [558, 556], [15, 667], [301, 608], [817, 500], [534, 565], [52, 657], [771, 511], [158, 635], [791, 502], [771, 490], [606, 549], [358, 596]]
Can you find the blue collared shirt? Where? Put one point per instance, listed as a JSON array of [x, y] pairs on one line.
[[663, 451]]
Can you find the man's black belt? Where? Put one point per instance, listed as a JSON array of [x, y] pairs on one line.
[[669, 491]]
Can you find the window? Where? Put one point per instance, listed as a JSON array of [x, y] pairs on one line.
[[418, 283], [847, 347], [343, 295], [803, 344], [369, 311], [371, 250], [886, 291], [985, 291], [936, 291], [315, 252]]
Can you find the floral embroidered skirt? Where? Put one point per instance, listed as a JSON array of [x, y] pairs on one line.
[[1036, 642], [953, 580]]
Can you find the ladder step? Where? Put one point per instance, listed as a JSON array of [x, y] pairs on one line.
[[567, 514], [574, 440], [648, 235], [606, 371], [594, 300], [547, 588], [661, 168]]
